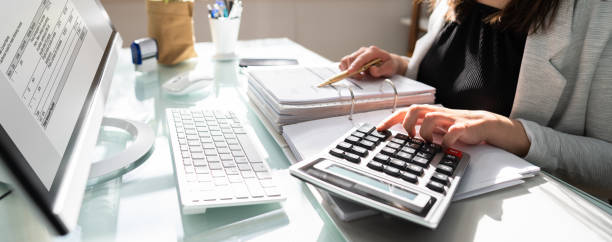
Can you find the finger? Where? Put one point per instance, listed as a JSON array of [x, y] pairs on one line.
[[415, 112], [395, 118], [455, 132], [347, 60], [367, 56], [434, 120], [386, 69]]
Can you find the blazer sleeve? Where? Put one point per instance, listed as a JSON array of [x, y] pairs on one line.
[[582, 160]]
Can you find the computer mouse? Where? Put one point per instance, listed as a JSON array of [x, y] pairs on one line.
[[187, 82]]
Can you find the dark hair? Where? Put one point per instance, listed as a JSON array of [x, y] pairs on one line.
[[528, 16]]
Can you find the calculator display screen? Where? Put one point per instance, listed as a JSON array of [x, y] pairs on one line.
[[371, 181]]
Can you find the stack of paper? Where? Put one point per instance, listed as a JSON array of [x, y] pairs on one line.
[[490, 168], [288, 95]]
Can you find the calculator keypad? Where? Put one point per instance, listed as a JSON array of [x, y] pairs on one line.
[[403, 157]]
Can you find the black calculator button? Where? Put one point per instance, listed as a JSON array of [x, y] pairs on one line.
[[352, 157], [414, 169], [413, 146], [388, 151], [408, 150], [417, 141], [434, 146], [358, 134], [424, 155], [391, 170], [403, 156], [360, 151], [366, 129], [381, 134], [373, 139], [337, 153], [367, 144], [436, 186], [394, 145], [352, 139], [439, 177], [402, 136], [397, 163], [344, 146], [408, 176], [375, 165], [428, 150], [398, 141], [382, 158], [420, 161], [446, 170], [451, 157], [448, 163]]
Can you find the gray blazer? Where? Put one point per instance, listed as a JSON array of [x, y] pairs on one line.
[[564, 92]]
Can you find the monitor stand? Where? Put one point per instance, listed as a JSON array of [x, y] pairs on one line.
[[128, 159]]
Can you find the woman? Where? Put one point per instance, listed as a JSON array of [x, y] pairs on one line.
[[533, 77]]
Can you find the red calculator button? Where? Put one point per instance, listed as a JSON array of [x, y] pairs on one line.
[[454, 152]]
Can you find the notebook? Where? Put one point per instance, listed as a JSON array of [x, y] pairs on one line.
[[490, 168]]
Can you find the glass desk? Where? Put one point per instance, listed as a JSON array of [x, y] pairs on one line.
[[143, 205]]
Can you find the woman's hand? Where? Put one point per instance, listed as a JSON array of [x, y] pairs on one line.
[[466, 126], [391, 64]]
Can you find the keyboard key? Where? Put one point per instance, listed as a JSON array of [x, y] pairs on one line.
[[397, 163], [189, 169], [352, 139], [220, 144], [367, 144], [228, 163], [186, 154], [223, 150], [360, 151], [420, 161], [199, 162], [337, 153], [241, 160], [447, 170], [184, 148], [391, 171], [218, 173], [259, 167], [414, 169], [255, 188], [352, 157], [417, 141], [239, 131], [234, 178], [451, 157], [235, 147], [375, 165], [436, 186], [237, 153], [208, 145], [366, 128], [201, 169], [272, 191], [267, 183], [240, 191], [210, 151], [244, 167], [413, 145], [448, 163], [439, 177], [225, 157], [232, 141], [344, 146], [248, 174], [187, 161], [454, 152], [402, 136], [403, 156], [382, 158], [428, 150], [409, 177], [263, 175], [220, 181], [197, 155], [215, 166], [381, 135]]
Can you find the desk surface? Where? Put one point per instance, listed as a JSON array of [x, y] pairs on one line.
[[143, 204]]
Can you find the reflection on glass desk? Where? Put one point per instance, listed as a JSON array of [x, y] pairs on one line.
[[143, 205]]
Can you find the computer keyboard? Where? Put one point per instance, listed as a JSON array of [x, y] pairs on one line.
[[389, 171], [216, 161]]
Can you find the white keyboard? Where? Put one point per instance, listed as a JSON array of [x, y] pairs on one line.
[[216, 161]]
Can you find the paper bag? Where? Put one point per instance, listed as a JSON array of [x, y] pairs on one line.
[[171, 24]]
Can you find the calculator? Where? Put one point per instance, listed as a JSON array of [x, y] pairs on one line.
[[388, 171]]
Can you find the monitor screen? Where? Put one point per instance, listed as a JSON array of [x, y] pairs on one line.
[[48, 59]]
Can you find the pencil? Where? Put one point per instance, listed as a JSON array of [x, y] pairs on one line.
[[345, 74]]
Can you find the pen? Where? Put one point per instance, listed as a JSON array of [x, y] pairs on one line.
[[345, 74]]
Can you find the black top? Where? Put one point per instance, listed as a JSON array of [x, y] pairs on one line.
[[473, 64]]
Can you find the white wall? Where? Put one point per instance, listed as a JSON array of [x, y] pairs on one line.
[[332, 28]]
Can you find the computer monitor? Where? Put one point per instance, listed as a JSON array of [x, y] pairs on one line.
[[56, 65]]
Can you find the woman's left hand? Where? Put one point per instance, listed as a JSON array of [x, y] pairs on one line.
[[466, 126]]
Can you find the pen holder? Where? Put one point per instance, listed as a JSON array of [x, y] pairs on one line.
[[224, 32]]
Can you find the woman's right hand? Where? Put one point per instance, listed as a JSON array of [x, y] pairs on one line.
[[391, 64]]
